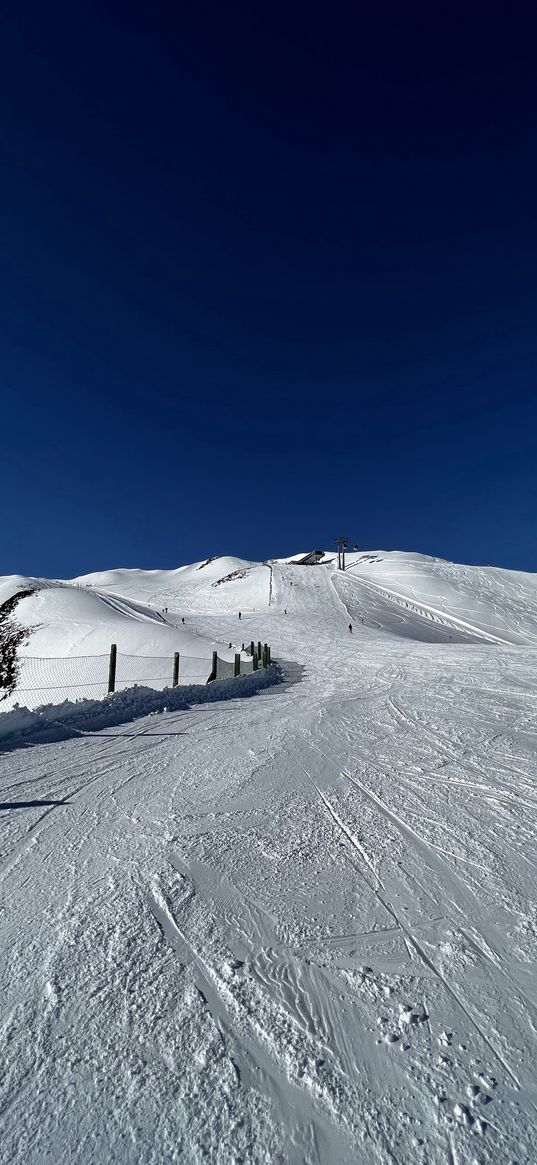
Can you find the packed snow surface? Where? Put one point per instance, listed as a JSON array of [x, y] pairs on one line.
[[294, 927]]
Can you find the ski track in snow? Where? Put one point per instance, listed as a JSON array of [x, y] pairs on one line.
[[294, 928]]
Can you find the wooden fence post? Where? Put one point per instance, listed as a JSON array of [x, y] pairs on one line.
[[237, 669], [214, 667], [175, 669], [268, 655], [112, 669], [252, 647], [265, 657], [254, 661], [259, 649]]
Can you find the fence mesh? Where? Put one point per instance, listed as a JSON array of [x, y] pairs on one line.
[[225, 668], [53, 680], [156, 671]]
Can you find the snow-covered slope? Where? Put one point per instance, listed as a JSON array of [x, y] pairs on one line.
[[298, 927], [155, 613], [433, 600], [216, 584], [410, 595]]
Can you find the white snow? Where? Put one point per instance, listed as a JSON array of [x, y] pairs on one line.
[[297, 927], [202, 586]]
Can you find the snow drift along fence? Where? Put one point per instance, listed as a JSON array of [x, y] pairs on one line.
[[51, 680]]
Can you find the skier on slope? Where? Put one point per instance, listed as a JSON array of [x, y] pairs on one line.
[[350, 628], [240, 615]]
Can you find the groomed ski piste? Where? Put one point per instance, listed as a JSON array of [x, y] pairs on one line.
[[291, 921]]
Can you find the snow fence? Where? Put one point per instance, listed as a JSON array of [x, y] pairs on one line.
[[52, 680]]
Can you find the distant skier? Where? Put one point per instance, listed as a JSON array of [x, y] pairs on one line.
[[350, 628], [183, 619], [240, 615], [285, 611]]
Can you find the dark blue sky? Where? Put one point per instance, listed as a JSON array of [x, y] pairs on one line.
[[268, 274]]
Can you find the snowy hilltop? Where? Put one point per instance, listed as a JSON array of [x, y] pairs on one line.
[[277, 922], [150, 614]]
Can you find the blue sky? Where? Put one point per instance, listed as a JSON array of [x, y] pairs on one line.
[[267, 275]]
